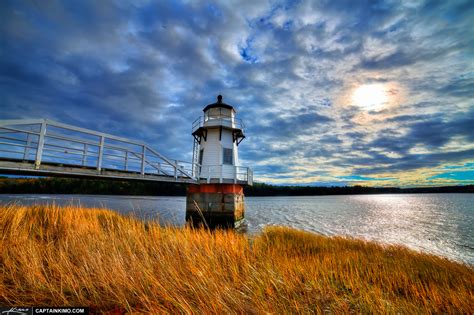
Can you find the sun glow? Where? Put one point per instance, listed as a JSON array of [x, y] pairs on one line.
[[370, 96]]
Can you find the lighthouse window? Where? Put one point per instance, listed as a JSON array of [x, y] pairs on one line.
[[201, 154], [227, 157]]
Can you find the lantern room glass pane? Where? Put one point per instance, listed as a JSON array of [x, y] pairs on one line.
[[213, 113], [225, 113], [218, 113]]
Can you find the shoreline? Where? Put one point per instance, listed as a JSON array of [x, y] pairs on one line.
[[58, 185]]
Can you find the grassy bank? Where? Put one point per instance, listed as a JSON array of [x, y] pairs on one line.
[[73, 256]]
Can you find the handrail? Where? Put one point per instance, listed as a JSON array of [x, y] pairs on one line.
[[201, 121], [222, 173], [68, 145], [42, 141]]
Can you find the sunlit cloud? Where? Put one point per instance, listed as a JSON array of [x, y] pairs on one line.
[[370, 97]]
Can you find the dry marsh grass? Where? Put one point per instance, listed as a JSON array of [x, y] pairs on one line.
[[91, 257]]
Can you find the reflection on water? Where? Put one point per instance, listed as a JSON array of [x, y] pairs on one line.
[[437, 223]]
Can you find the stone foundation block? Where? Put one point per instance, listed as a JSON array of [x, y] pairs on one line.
[[220, 205]]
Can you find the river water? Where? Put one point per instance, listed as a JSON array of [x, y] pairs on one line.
[[442, 224]]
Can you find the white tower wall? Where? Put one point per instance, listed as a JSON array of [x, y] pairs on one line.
[[213, 164]]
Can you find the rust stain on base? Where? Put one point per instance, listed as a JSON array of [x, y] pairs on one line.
[[220, 205]]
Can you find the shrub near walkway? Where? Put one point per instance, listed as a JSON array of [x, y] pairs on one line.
[[53, 256]]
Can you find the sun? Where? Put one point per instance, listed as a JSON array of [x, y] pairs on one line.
[[370, 96]]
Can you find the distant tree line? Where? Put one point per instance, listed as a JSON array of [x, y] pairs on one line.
[[260, 189], [57, 185]]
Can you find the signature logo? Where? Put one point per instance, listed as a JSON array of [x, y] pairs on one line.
[[16, 311]]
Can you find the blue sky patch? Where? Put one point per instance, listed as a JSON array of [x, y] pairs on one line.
[[461, 176]]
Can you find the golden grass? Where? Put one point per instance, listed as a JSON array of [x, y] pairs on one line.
[[92, 257]]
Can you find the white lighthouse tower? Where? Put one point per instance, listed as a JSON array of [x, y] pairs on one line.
[[217, 135], [219, 196]]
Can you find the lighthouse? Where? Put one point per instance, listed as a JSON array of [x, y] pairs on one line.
[[218, 199]]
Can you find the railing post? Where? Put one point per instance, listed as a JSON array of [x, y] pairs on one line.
[[27, 147], [101, 153], [208, 174], [126, 160], [143, 160], [235, 174], [176, 169], [39, 151], [220, 174], [84, 154], [248, 176]]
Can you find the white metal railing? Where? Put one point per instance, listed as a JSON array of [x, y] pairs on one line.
[[41, 141], [224, 173], [220, 120], [44, 141]]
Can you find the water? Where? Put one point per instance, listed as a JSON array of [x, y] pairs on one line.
[[436, 223]]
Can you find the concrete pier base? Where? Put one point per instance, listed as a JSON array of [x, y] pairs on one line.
[[215, 205]]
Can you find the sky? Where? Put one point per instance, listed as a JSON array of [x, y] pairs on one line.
[[377, 93]]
